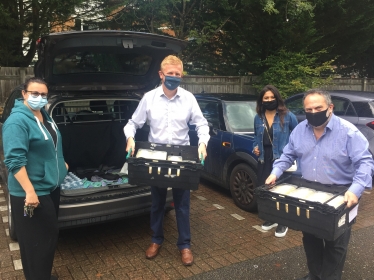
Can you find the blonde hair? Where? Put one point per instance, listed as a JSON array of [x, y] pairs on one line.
[[171, 60]]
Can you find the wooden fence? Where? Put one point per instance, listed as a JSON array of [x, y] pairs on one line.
[[356, 84], [219, 84], [10, 77]]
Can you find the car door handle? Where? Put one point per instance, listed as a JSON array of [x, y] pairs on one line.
[[226, 144]]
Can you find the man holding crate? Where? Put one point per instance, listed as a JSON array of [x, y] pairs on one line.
[[329, 150], [168, 109]]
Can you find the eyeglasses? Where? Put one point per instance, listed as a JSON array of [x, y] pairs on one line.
[[35, 94]]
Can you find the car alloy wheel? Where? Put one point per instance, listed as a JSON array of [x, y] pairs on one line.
[[243, 181]]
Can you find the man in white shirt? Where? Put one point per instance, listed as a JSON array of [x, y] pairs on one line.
[[168, 110]]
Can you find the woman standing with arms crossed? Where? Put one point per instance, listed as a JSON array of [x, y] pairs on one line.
[[33, 156], [273, 126]]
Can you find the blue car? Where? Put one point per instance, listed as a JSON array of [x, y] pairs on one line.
[[230, 162]]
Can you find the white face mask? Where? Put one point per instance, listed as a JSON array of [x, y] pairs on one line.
[[36, 103]]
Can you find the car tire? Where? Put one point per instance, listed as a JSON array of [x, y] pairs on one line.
[[243, 182], [12, 231]]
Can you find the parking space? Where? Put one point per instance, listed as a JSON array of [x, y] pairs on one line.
[[222, 235]]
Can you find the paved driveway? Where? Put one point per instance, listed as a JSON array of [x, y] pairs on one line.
[[224, 239]]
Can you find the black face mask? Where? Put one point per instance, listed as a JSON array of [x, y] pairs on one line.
[[270, 105], [317, 119]]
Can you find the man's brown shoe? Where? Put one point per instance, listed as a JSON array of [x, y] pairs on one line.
[[152, 251], [187, 257]]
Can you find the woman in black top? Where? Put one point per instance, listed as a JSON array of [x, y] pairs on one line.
[[273, 125]]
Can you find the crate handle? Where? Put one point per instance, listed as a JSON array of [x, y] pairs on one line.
[[129, 153], [202, 159], [270, 186]]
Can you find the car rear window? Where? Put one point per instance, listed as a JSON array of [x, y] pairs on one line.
[[364, 109], [94, 62]]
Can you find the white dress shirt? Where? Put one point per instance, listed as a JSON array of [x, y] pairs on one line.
[[169, 118]]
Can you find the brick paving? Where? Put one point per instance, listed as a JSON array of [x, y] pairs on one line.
[[116, 250]]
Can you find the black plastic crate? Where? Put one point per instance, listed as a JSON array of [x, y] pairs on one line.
[[321, 220], [164, 173]]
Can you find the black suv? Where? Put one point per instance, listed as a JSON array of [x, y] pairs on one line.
[[95, 81]]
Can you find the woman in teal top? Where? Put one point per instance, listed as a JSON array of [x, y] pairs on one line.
[[273, 125], [33, 155]]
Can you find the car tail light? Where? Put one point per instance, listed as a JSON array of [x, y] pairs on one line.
[[370, 124]]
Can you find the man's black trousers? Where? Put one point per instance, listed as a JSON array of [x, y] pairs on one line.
[[326, 259]]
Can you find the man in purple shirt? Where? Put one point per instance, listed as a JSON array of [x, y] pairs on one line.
[[169, 109], [329, 150]]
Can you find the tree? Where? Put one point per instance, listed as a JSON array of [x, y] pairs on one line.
[[30, 19], [144, 16], [251, 35], [295, 72], [197, 20], [346, 29], [226, 37], [183, 19], [201, 21], [33, 18], [97, 13], [258, 29]]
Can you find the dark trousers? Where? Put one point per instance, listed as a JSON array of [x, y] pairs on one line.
[[182, 210], [326, 259], [37, 235]]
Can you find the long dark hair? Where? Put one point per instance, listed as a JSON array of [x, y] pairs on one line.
[[282, 109]]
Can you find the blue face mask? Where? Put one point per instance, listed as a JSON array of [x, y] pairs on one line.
[[36, 103], [172, 82]]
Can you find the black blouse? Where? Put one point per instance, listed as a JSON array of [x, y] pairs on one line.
[[51, 131], [266, 140]]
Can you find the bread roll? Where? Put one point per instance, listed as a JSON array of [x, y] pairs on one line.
[[336, 202], [302, 193], [151, 154], [175, 158], [320, 197], [284, 188]]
